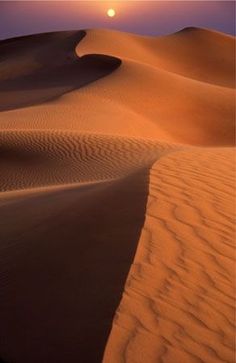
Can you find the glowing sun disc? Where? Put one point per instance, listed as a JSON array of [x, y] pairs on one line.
[[111, 13]]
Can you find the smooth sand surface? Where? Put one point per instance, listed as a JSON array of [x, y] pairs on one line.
[[117, 193]]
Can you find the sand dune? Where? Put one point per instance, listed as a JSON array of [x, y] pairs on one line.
[[157, 109], [197, 122], [117, 175]]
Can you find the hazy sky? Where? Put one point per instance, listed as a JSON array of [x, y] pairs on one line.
[[143, 17]]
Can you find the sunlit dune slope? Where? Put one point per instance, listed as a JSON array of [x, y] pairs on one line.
[[179, 299], [195, 53], [171, 107], [137, 100]]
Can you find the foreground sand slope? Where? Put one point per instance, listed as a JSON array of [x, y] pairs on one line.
[[77, 199], [63, 270], [178, 303]]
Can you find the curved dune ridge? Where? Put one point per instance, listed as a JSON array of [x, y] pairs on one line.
[[117, 197]]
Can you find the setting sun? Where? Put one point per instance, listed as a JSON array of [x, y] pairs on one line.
[[111, 13]]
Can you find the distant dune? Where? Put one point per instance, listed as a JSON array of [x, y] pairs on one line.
[[39, 68], [117, 198]]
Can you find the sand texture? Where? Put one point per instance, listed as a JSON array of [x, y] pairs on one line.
[[117, 198]]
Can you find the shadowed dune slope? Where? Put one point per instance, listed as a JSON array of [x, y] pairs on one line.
[[63, 270], [37, 68]]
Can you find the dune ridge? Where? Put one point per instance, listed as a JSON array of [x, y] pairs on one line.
[[117, 197]]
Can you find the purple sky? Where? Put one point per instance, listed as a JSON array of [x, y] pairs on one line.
[[143, 17]]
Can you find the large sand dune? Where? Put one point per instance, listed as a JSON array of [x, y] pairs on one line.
[[117, 176]]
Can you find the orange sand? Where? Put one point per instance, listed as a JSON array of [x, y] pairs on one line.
[[117, 198]]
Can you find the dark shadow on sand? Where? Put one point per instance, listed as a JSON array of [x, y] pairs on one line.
[[64, 260], [39, 68]]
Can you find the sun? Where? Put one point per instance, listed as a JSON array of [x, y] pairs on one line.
[[111, 13]]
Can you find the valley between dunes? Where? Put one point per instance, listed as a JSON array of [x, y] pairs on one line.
[[117, 198]]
